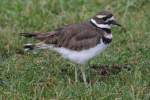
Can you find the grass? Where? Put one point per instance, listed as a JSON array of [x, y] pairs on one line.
[[42, 76]]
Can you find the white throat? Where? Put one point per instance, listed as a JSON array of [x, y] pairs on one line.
[[100, 25]]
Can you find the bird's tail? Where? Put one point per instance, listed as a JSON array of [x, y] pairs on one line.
[[29, 34], [32, 47], [38, 36]]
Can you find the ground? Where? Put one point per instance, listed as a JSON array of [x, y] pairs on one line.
[[46, 75]]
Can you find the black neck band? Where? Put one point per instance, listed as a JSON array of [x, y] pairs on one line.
[[106, 30], [106, 40]]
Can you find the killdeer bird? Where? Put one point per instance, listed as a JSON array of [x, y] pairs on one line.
[[77, 42]]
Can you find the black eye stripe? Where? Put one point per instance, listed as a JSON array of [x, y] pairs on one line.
[[107, 17], [109, 22], [99, 21]]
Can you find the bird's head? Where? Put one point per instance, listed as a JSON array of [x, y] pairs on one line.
[[104, 19]]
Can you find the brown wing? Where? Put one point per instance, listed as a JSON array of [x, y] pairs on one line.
[[76, 37]]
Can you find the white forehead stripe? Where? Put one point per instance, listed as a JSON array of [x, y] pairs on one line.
[[100, 25], [101, 16]]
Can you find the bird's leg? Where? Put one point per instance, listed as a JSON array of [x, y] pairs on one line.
[[76, 73], [83, 74]]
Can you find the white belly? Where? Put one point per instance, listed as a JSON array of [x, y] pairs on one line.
[[81, 57]]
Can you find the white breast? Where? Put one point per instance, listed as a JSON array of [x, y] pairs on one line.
[[83, 56]]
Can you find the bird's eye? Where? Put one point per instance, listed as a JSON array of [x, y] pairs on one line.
[[104, 18]]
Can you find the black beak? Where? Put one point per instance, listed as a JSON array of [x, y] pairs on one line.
[[115, 23]]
